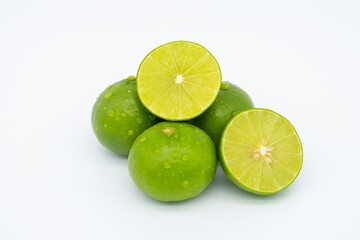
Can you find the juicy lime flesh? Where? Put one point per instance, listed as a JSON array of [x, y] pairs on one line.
[[172, 161], [230, 101], [118, 116], [179, 80], [261, 151]]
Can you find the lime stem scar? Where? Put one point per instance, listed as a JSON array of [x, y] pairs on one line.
[[224, 86], [131, 78], [168, 131]]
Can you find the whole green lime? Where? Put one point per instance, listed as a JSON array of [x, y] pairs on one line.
[[172, 161], [118, 116], [230, 101]]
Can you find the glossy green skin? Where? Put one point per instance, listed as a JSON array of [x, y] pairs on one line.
[[172, 168], [118, 117], [228, 104]]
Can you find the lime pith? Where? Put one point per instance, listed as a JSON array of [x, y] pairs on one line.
[[260, 151], [178, 80]]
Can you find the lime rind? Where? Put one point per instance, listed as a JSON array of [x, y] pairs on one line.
[[172, 161], [230, 101], [204, 108], [240, 183], [118, 116]]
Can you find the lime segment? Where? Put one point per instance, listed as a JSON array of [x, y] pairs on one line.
[[178, 81], [261, 151]]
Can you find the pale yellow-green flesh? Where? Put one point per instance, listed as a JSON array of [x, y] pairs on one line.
[[178, 80], [269, 171]]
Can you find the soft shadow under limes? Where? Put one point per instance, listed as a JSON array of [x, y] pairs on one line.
[[224, 186]]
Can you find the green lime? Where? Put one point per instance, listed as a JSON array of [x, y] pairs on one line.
[[172, 161], [260, 151], [230, 101], [178, 80], [118, 116]]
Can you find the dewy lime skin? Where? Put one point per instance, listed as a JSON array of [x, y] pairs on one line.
[[172, 161], [230, 101], [118, 116]]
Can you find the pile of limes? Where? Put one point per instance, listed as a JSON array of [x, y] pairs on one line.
[[177, 117]]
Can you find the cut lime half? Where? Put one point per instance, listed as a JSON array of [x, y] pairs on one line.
[[260, 151], [178, 81]]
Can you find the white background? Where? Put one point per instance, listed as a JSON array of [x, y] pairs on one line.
[[299, 58]]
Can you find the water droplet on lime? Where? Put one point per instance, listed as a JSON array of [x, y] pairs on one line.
[[167, 165], [138, 120], [185, 184], [130, 132], [111, 113], [185, 157]]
